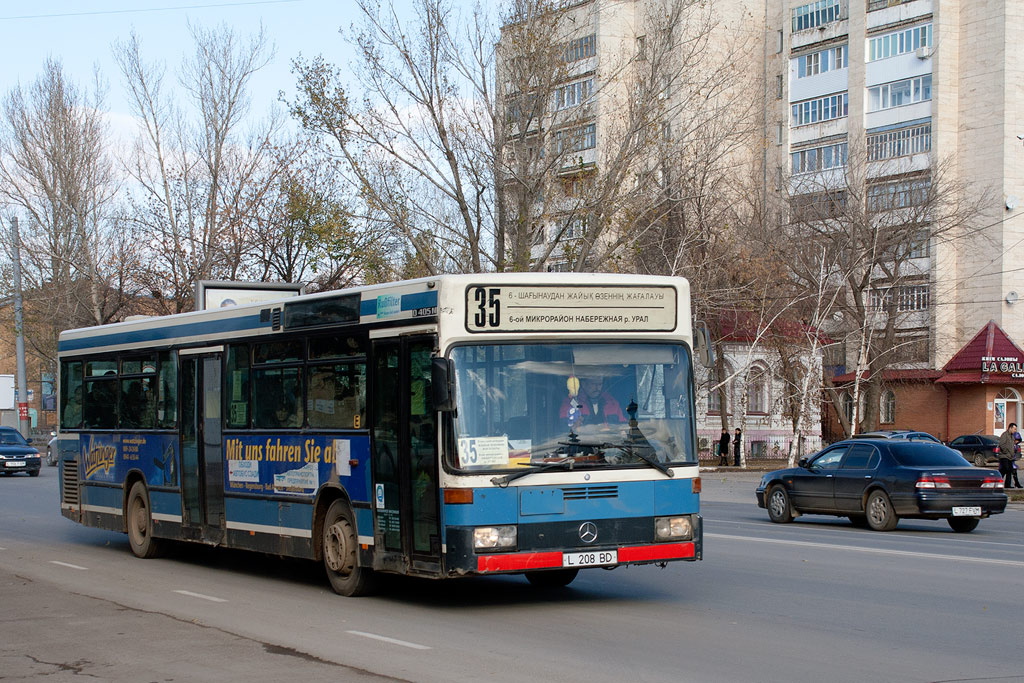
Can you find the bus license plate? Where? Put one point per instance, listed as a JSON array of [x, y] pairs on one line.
[[594, 558], [16, 463], [965, 511]]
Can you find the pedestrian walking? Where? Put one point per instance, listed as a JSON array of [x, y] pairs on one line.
[[736, 447], [1007, 446], [723, 448], [1014, 463]]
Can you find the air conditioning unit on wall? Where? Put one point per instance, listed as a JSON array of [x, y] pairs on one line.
[[924, 52]]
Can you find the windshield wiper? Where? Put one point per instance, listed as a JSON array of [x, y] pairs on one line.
[[634, 450], [630, 448], [565, 463]]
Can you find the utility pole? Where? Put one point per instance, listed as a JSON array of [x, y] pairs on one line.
[[22, 398]]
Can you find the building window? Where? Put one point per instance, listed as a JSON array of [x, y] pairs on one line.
[[822, 62], [898, 195], [918, 247], [818, 206], [847, 407], [899, 142], [816, 13], [539, 235], [581, 48], [576, 139], [575, 229], [905, 298], [779, 85], [821, 109], [888, 407], [911, 348], [819, 158], [757, 391], [899, 43], [900, 93], [641, 48], [558, 267], [574, 94]]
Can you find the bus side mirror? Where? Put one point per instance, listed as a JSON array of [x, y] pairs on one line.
[[702, 344], [442, 384]]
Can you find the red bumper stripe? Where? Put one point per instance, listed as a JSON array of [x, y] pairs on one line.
[[526, 561], [664, 551], [518, 562]]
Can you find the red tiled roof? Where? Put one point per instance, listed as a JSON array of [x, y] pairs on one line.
[[744, 326], [990, 341]]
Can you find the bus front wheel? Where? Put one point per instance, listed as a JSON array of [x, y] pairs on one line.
[[341, 553], [140, 523], [556, 578]]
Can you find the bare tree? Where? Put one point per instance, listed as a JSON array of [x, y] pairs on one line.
[[57, 175], [854, 238], [199, 181]]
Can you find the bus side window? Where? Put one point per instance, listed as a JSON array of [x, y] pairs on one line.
[[167, 406], [337, 396], [100, 405], [71, 395], [238, 386]]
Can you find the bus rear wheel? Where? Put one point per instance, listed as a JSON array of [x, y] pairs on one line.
[[140, 523], [341, 553], [557, 578]]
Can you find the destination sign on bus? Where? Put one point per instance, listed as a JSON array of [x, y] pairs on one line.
[[572, 308]]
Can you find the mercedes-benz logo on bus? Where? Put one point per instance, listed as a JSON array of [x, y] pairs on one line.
[[588, 532]]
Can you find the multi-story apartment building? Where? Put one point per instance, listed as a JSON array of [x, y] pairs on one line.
[[633, 71], [912, 89]]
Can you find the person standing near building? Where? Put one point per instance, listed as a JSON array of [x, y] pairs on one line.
[[736, 447], [1014, 466], [1007, 446], [723, 448]]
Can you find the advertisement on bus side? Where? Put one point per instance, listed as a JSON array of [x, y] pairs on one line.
[[295, 464]]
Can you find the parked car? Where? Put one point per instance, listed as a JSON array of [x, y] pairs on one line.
[[876, 482], [981, 449], [904, 434], [17, 454], [52, 454]]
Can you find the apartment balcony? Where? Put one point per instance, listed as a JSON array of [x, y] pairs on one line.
[[886, 12]]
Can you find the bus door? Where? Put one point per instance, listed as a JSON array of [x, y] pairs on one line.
[[202, 459], [405, 467]]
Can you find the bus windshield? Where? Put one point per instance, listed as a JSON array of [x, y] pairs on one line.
[[593, 405]]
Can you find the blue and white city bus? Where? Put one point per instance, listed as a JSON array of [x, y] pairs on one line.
[[448, 426]]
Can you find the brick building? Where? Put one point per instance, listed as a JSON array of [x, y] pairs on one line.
[[978, 391]]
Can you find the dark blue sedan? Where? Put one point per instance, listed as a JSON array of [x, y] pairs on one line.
[[875, 482], [16, 454]]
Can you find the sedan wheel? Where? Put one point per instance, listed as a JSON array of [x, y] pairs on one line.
[[881, 516], [779, 509], [979, 460]]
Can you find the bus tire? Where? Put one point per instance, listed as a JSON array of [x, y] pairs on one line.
[[341, 553], [557, 578], [139, 520]]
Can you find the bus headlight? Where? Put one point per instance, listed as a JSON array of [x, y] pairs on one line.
[[494, 537], [674, 528]]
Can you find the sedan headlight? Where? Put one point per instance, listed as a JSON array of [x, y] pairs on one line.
[[494, 537], [673, 528]]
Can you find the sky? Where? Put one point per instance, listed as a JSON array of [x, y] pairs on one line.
[[80, 34]]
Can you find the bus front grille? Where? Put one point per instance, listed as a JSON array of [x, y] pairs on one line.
[[69, 492], [590, 492]]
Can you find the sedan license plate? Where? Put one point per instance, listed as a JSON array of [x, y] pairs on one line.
[[593, 558], [15, 463], [967, 511]]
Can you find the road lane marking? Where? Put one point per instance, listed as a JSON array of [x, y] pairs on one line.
[[71, 566], [201, 596], [877, 551], [393, 641], [930, 535]]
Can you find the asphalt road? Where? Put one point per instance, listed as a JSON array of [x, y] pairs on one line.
[[816, 600]]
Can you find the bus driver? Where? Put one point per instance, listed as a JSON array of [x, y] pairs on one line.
[[593, 405]]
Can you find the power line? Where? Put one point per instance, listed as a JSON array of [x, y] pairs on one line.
[[148, 9]]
